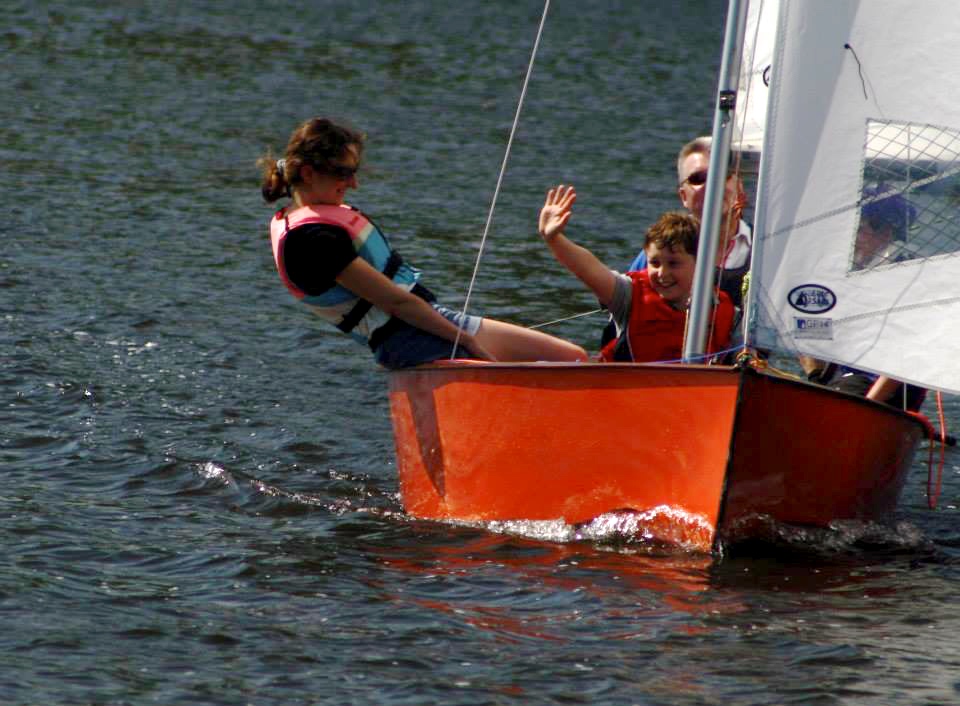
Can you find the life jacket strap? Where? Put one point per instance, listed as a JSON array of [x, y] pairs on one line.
[[360, 309]]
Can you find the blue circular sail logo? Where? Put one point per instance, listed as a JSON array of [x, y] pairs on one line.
[[812, 299]]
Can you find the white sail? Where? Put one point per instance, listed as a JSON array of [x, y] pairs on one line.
[[756, 64], [863, 128]]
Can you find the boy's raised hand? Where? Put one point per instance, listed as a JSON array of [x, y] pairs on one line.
[[556, 211], [554, 215]]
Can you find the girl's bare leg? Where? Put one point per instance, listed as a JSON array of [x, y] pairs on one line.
[[509, 342]]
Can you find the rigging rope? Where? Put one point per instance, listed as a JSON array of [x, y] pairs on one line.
[[503, 169], [567, 318], [933, 491], [934, 487]]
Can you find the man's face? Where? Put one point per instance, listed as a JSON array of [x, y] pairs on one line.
[[693, 184], [871, 242]]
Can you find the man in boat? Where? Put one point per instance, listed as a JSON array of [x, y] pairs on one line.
[[649, 307], [884, 219], [736, 239]]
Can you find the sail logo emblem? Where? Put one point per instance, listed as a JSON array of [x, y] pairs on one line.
[[821, 329], [812, 299]]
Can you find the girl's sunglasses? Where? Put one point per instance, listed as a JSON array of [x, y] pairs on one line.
[[340, 171]]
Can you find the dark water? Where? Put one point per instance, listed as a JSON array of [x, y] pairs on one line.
[[199, 501]]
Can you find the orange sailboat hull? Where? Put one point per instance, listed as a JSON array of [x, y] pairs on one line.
[[700, 451]]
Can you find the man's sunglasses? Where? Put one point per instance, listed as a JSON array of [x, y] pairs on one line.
[[697, 178]]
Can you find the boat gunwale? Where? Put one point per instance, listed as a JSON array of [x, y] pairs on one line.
[[469, 365]]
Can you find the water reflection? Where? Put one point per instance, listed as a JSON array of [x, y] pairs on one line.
[[546, 590], [554, 591]]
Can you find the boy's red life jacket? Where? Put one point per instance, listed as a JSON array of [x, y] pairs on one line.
[[654, 330]]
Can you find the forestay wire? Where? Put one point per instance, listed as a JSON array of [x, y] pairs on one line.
[[503, 169]]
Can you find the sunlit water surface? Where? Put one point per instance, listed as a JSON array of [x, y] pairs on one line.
[[199, 498]]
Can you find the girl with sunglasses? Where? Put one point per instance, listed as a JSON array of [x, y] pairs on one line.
[[334, 259]]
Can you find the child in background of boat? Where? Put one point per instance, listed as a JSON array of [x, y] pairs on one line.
[[882, 231], [649, 307], [334, 259], [884, 221]]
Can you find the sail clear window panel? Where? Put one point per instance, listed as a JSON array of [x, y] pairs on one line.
[[910, 195]]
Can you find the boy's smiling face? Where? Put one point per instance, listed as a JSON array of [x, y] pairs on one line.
[[671, 273]]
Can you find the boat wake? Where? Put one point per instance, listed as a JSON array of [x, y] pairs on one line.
[[339, 494], [662, 528], [668, 530], [760, 532]]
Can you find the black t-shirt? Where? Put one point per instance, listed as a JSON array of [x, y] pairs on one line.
[[314, 254]]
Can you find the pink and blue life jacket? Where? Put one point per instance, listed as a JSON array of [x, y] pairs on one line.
[[338, 305]]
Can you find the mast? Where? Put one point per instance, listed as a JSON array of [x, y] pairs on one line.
[[701, 299]]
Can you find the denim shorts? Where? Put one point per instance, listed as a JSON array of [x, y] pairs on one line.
[[408, 346]]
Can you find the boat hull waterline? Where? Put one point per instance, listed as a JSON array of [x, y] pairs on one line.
[[703, 454]]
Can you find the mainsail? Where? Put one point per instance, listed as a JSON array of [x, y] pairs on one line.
[[755, 68], [857, 225]]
